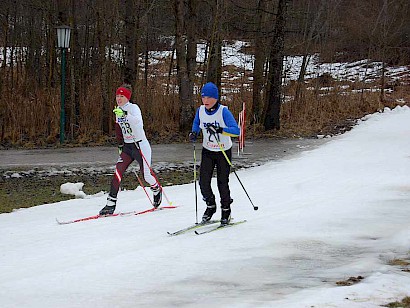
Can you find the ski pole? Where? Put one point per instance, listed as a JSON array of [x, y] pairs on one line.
[[196, 193], [233, 169], [143, 187], [152, 173]]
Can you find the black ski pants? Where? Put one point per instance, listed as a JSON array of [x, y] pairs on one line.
[[210, 160]]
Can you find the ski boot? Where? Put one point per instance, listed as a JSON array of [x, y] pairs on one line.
[[225, 217], [157, 192], [210, 209], [110, 207], [226, 213]]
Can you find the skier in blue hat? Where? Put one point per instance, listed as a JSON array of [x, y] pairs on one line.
[[218, 125]]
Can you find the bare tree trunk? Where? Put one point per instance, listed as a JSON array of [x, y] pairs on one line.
[[137, 45], [171, 65], [75, 74], [383, 51], [204, 65], [147, 90], [258, 64], [308, 36], [272, 115], [187, 113], [214, 68], [299, 83], [105, 90], [180, 44], [3, 70], [146, 58], [130, 42], [185, 56]]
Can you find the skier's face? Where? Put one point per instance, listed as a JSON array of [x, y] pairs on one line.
[[208, 102], [121, 100]]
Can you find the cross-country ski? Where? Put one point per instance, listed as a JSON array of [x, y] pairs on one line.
[[193, 227], [219, 227], [114, 215]]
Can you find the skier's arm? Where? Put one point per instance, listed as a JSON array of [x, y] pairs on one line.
[[195, 125], [232, 128]]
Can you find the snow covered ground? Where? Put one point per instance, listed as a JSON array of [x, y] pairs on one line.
[[338, 211], [232, 55]]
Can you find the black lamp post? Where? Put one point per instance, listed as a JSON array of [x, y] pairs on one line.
[[63, 42]]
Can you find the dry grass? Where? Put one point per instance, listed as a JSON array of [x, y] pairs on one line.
[[399, 262], [32, 120], [329, 110], [404, 303], [350, 281]]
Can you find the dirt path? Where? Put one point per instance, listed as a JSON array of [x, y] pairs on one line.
[[256, 152]]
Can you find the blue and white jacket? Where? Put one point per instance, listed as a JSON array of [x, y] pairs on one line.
[[220, 117]]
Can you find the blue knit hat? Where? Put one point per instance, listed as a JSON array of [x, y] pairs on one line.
[[210, 90]]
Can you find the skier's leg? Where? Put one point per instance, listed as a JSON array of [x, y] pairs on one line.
[[222, 171], [123, 162], [145, 167], [205, 177]]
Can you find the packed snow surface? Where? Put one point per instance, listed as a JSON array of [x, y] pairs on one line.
[[339, 211]]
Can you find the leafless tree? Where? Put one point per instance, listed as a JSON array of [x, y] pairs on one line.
[[112, 41], [273, 102], [214, 61], [185, 45], [260, 60]]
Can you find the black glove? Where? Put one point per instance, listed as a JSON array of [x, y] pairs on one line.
[[212, 129], [192, 136]]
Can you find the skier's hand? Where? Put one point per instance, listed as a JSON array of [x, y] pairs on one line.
[[192, 136], [120, 149], [212, 129], [119, 112]]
